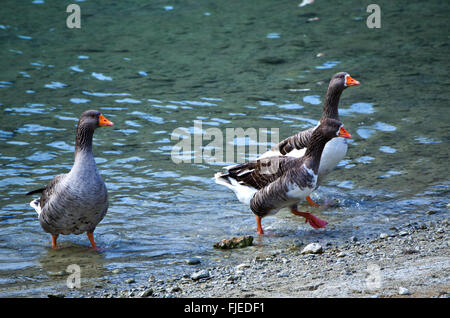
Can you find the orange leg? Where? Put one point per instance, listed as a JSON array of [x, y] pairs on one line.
[[91, 239], [311, 202], [315, 222], [259, 229], [54, 238]]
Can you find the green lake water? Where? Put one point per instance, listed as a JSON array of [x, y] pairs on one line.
[[153, 67]]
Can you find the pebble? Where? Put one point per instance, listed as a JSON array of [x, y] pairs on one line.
[[146, 293], [403, 233], [241, 266], [129, 280], [192, 261], [58, 273], [353, 239], [312, 248], [200, 274], [174, 289], [404, 291], [341, 254], [280, 275], [384, 236]]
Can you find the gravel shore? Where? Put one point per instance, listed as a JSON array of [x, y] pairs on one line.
[[410, 261]]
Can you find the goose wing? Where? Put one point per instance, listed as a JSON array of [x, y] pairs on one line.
[[293, 146], [259, 173], [51, 189]]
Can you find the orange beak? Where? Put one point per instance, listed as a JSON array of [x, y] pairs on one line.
[[344, 133], [102, 121], [351, 81]]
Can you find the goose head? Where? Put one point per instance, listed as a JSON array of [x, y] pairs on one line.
[[331, 128], [343, 80], [89, 121], [92, 119]]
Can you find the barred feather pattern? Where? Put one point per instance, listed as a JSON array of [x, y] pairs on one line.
[[297, 141]]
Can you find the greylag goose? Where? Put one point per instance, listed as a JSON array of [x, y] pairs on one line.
[[336, 149], [75, 202], [272, 183]]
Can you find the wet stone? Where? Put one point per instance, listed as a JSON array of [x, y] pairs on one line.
[[192, 261], [235, 242]]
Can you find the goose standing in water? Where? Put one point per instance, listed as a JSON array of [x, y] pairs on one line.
[[272, 183], [75, 202], [336, 149]]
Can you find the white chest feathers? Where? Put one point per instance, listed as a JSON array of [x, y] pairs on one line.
[[334, 151]]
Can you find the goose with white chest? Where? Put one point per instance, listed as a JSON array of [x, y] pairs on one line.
[[272, 183], [336, 149], [75, 202]]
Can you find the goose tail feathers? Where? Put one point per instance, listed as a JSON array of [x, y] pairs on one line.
[[36, 204]]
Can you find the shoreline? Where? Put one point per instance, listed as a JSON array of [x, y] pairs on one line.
[[411, 261]]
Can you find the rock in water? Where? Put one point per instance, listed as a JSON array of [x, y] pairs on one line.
[[312, 248], [272, 60], [235, 242], [192, 261]]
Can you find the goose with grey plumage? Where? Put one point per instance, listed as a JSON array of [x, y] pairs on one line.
[[269, 184], [336, 149], [75, 202]]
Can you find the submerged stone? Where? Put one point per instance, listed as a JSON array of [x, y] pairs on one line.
[[235, 242]]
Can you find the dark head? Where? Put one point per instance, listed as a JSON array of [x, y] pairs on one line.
[[338, 83], [342, 80], [93, 119], [89, 121], [331, 128], [328, 129]]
